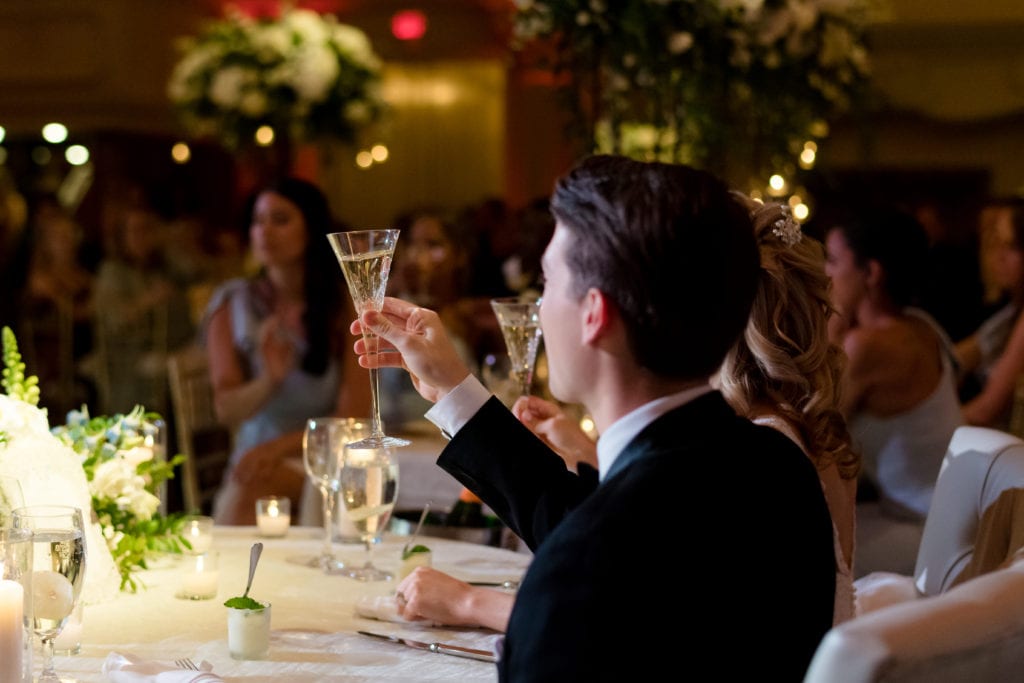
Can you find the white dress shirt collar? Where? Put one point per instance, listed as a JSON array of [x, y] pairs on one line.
[[615, 439]]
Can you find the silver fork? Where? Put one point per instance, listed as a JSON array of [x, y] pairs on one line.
[[186, 663]]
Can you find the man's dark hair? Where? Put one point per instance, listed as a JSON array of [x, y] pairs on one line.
[[671, 248]]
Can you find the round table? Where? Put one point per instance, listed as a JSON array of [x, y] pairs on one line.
[[314, 622]]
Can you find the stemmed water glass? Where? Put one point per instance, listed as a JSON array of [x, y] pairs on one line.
[[369, 489], [322, 444], [58, 572], [519, 318], [365, 260]]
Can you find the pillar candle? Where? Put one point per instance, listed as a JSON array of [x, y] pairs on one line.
[[12, 601]]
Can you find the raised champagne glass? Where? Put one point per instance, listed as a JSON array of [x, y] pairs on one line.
[[365, 260], [58, 573], [369, 489], [519, 318]]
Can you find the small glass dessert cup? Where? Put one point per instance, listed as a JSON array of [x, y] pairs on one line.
[[417, 556], [249, 632]]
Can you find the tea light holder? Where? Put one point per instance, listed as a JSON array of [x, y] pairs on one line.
[[200, 578], [198, 530], [273, 516], [16, 605]]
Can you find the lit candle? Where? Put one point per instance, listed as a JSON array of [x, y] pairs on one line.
[[12, 600], [200, 581], [199, 532], [273, 516]]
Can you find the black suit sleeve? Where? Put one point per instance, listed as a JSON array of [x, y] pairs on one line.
[[526, 483]]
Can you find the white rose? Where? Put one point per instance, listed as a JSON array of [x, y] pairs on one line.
[[271, 42], [142, 503], [110, 479], [18, 418], [316, 69], [307, 24], [136, 456], [227, 86]]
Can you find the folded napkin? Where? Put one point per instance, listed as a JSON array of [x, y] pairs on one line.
[[385, 608], [119, 668]]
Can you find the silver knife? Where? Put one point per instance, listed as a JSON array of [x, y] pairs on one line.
[[442, 648]]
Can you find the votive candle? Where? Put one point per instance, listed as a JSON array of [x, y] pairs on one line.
[[199, 582], [199, 532], [12, 601], [273, 516]]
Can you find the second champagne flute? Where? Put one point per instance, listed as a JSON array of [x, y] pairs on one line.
[[365, 260], [58, 573], [369, 489], [519, 319]]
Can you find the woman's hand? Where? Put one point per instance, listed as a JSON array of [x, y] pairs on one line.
[[562, 434]]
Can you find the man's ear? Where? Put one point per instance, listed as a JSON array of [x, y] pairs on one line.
[[876, 275], [596, 312]]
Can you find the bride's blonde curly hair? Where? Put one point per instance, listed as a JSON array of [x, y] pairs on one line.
[[785, 358]]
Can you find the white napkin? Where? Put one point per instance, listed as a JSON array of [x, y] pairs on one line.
[[385, 608], [120, 668]]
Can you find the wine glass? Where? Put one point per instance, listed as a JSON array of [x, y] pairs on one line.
[[365, 260], [519, 318], [11, 498], [58, 572], [322, 444], [369, 489]]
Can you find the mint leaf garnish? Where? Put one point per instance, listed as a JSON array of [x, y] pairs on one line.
[[415, 549], [243, 603]]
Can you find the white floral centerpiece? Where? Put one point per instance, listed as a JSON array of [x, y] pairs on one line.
[[306, 75], [698, 80], [103, 465]]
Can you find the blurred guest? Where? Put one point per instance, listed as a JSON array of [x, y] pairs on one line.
[[57, 312], [642, 255], [274, 342], [899, 390], [992, 359], [141, 315]]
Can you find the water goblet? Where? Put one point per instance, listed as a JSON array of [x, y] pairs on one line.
[[519, 319], [365, 260], [369, 489], [58, 572], [322, 444]]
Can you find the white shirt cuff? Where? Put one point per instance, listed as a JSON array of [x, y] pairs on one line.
[[453, 411]]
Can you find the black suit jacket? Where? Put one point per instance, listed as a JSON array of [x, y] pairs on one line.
[[706, 551]]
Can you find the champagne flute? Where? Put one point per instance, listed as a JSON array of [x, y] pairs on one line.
[[365, 260], [11, 499], [519, 318], [322, 444], [369, 489], [58, 572]]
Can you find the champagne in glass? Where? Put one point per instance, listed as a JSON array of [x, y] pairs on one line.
[[369, 489], [58, 573], [519, 318], [365, 260], [322, 444]]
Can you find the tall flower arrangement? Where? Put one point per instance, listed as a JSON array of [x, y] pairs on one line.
[[702, 81], [115, 453], [305, 75]]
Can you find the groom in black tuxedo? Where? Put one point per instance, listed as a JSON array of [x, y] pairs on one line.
[[704, 551]]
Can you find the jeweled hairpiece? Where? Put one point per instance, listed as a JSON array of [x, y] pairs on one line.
[[786, 228]]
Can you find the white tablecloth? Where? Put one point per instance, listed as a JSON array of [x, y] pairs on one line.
[[313, 615]]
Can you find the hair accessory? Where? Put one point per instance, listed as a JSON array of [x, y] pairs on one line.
[[786, 228]]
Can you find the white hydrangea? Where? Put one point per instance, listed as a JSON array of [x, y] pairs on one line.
[[228, 84], [316, 70]]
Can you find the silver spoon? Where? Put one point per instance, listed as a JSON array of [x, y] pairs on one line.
[[416, 531], [254, 557]]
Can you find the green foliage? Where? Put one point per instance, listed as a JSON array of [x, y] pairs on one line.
[[243, 603], [415, 549], [14, 381]]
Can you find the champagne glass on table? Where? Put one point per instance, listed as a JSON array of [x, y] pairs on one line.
[[58, 572], [365, 260], [519, 319], [369, 489], [322, 444]]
